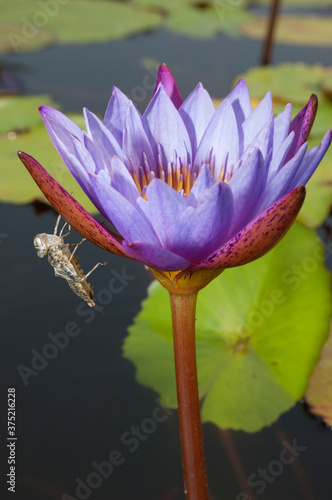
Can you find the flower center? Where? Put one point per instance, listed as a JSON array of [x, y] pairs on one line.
[[180, 176], [177, 175]]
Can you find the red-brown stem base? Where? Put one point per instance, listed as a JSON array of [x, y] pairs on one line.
[[183, 308]]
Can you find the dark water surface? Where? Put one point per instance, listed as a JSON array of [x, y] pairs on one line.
[[74, 409]]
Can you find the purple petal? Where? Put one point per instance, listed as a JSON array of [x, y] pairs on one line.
[[247, 184], [281, 182], [240, 99], [221, 135], [164, 126], [261, 115], [163, 208], [76, 157], [135, 142], [131, 223], [263, 140], [279, 158], [101, 137], [156, 257], [115, 114], [281, 127], [196, 112], [204, 181], [166, 78], [52, 118], [121, 180], [302, 124], [203, 229], [311, 161], [60, 129]]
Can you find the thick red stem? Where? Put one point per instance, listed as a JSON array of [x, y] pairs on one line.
[[183, 308]]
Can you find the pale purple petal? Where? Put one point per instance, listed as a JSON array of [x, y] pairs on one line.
[[221, 135], [136, 147], [116, 113], [163, 208], [196, 112], [165, 126], [60, 128], [156, 257], [281, 127], [263, 140], [121, 180], [279, 158], [247, 184], [240, 100], [203, 229], [101, 136], [311, 161], [204, 181], [127, 219], [261, 115], [281, 182]]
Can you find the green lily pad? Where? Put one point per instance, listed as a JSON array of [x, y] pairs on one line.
[[319, 391], [292, 29], [16, 184], [259, 332], [170, 5], [30, 24], [18, 113], [288, 82], [299, 4], [206, 23]]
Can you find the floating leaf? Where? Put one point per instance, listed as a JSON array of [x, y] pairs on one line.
[[12, 39], [207, 22], [170, 5], [31, 24], [300, 4], [19, 113], [259, 331], [292, 29], [288, 82], [319, 392], [17, 185]]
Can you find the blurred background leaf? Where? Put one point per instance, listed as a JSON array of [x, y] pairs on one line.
[[319, 392]]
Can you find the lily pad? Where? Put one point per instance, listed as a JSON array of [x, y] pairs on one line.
[[16, 184], [206, 23], [319, 392], [299, 4], [259, 331], [288, 82], [30, 24], [18, 113], [292, 29], [170, 5]]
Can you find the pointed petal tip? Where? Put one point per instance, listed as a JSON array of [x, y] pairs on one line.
[[167, 80]]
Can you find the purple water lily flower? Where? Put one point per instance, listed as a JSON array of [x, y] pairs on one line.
[[186, 186]]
